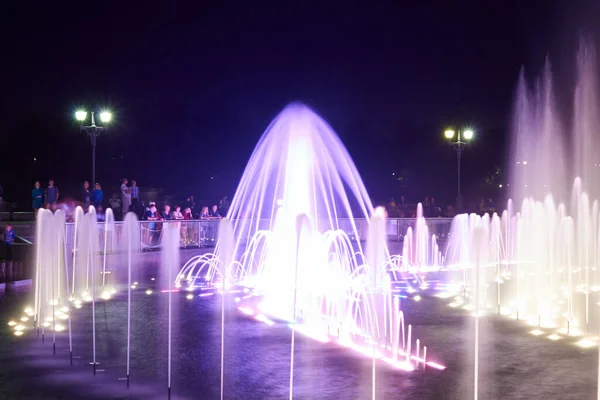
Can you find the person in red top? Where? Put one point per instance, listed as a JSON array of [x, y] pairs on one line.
[[188, 233]]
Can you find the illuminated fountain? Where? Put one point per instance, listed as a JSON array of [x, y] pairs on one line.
[[420, 251], [67, 275], [540, 260], [297, 251], [290, 244]]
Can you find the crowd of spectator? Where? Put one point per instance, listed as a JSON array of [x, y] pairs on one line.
[[431, 209], [129, 200], [404, 209], [486, 206]]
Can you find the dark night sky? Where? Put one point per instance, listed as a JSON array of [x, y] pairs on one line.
[[193, 87]]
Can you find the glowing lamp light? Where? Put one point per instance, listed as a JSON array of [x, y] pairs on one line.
[[189, 296], [12, 323], [264, 319], [148, 292], [435, 365], [449, 133], [105, 116], [18, 333], [80, 115], [468, 134], [405, 366], [586, 343], [246, 311]]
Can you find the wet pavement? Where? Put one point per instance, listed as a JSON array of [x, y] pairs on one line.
[[513, 363]]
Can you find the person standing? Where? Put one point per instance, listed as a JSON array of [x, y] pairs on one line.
[[85, 195], [37, 197], [9, 239], [115, 206], [97, 196], [166, 214], [214, 212], [135, 197], [191, 203], [51, 195], [177, 214], [125, 197]]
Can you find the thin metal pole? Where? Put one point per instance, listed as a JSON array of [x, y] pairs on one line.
[[459, 196], [93, 136], [67, 287], [93, 293], [294, 300], [476, 342], [53, 304], [129, 251], [458, 157], [223, 278], [169, 232]]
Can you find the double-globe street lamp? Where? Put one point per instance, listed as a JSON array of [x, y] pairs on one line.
[[93, 131], [459, 140]]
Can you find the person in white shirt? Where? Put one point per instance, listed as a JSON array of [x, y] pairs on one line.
[[125, 197], [177, 213]]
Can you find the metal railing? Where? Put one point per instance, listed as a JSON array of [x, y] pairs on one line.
[[16, 216], [203, 233]]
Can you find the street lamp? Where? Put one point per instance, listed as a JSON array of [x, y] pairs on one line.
[[93, 131], [459, 140]]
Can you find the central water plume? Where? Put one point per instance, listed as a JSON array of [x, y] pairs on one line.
[[297, 249], [298, 167]]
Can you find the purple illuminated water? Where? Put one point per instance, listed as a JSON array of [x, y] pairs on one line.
[[314, 274]]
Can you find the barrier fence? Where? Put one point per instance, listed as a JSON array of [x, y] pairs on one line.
[[11, 271], [203, 233]]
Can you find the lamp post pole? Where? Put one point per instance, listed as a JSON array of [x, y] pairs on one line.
[[93, 131], [461, 141], [458, 157]]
